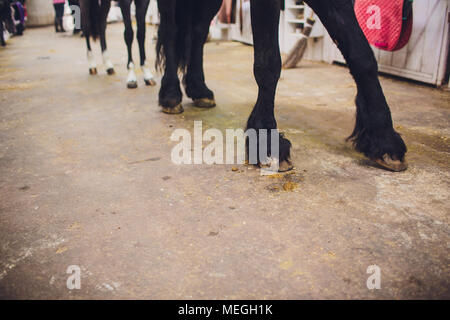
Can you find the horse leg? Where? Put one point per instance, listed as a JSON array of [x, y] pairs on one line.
[[128, 36], [90, 56], [194, 80], [374, 134], [265, 15], [2, 36], [170, 93], [141, 11], [86, 26], [104, 10]]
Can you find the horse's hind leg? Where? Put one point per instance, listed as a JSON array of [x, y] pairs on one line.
[[90, 55], [104, 10], [265, 16], [86, 26], [194, 80], [374, 134], [141, 11], [128, 36]]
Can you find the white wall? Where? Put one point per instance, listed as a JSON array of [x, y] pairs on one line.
[[40, 13], [423, 59]]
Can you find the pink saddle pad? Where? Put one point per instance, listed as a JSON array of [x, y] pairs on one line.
[[387, 24]]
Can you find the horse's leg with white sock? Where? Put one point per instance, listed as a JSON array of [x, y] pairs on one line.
[[104, 9], [92, 63], [131, 79], [107, 62], [141, 11], [90, 57], [128, 37], [148, 75]]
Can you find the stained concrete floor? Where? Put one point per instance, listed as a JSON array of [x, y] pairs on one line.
[[86, 179]]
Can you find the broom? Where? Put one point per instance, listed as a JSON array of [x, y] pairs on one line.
[[297, 52]]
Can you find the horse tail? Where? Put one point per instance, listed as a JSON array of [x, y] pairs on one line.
[[90, 11], [175, 26]]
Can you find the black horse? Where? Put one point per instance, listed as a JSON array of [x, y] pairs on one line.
[[141, 11], [6, 20], [183, 32], [94, 14]]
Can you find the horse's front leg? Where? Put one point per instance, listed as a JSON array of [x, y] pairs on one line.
[[104, 10], [141, 11], [128, 35], [194, 79], [374, 134], [265, 15], [170, 92]]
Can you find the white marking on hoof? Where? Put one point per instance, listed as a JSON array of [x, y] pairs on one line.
[[148, 75], [272, 166], [91, 60], [131, 78], [107, 61], [269, 167]]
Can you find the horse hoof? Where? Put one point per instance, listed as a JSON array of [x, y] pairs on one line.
[[271, 165], [110, 71], [92, 71], [204, 103], [132, 85], [150, 82], [285, 166], [390, 164], [174, 110]]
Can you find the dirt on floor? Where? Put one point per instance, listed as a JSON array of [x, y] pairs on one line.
[[86, 179]]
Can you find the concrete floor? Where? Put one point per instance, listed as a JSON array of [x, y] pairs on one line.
[[86, 179]]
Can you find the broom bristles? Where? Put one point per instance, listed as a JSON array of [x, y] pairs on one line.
[[296, 54], [298, 51]]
